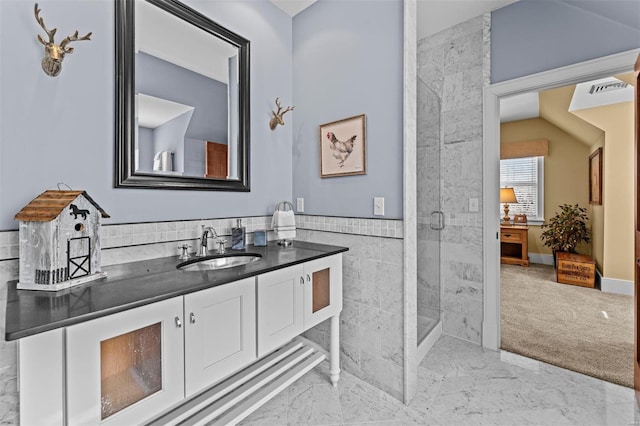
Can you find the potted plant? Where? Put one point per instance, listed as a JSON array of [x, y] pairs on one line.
[[566, 229]]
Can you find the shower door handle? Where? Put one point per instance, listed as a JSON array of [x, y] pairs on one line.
[[438, 224]]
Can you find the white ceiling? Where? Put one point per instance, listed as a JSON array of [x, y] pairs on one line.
[[152, 112], [433, 15], [519, 107], [293, 7], [437, 15], [527, 105], [174, 40]]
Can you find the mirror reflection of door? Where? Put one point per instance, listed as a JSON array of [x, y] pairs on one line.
[[216, 159]]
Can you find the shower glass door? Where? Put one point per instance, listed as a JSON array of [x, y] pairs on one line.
[[430, 218]]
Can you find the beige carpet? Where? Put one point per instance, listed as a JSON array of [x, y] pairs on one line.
[[577, 328]]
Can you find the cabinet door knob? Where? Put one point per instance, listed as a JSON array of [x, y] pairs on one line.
[[192, 318], [301, 280], [178, 322], [308, 278]]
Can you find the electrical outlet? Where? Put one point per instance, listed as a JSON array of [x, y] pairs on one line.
[[473, 204], [378, 206], [300, 205]]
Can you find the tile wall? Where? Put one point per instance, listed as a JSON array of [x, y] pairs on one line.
[[372, 290], [371, 324]]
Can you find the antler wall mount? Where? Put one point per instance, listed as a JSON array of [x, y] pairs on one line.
[[54, 53], [277, 115]]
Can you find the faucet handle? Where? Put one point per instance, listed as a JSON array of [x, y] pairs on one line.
[[220, 242], [184, 254]]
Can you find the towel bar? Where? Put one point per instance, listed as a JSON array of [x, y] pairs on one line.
[[284, 206]]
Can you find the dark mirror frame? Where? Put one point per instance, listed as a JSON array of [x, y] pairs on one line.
[[125, 174]]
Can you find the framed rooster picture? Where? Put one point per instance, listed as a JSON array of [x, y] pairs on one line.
[[342, 147]]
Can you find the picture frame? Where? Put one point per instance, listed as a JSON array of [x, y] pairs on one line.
[[343, 147], [595, 177], [520, 219]]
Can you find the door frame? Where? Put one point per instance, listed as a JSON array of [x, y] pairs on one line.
[[619, 63]]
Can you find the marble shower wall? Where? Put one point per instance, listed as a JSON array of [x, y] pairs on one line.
[[453, 68], [371, 323]]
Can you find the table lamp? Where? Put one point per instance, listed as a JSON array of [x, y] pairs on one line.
[[507, 195]]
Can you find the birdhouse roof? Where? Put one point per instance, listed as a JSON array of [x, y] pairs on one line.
[[48, 206]]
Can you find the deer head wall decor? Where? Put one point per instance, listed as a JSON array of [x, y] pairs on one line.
[[277, 115], [54, 53]]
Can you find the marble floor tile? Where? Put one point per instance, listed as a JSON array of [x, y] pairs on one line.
[[274, 412], [459, 383], [362, 402]]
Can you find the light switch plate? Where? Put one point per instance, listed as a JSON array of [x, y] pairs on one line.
[[378, 206], [473, 204], [300, 205]]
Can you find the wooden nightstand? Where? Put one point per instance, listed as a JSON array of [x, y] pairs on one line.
[[514, 242]]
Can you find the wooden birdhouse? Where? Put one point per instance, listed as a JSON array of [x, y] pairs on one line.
[[59, 241]]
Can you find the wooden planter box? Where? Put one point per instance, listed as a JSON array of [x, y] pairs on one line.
[[575, 269]]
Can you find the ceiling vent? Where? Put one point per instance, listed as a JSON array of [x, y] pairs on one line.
[[601, 92], [607, 87]]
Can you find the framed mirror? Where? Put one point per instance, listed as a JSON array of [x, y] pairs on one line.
[[182, 99]]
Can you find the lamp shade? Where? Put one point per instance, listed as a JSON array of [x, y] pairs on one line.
[[507, 195]]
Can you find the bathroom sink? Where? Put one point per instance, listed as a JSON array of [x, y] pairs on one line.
[[218, 261]]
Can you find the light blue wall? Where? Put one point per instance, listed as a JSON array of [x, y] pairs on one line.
[[62, 129], [194, 157], [145, 149], [347, 60], [531, 36], [170, 136], [207, 96]]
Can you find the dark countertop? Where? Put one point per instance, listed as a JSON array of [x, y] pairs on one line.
[[136, 284]]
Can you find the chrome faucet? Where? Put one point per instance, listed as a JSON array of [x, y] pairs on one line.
[[204, 237]]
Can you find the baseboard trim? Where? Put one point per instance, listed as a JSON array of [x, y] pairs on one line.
[[544, 259], [614, 285]]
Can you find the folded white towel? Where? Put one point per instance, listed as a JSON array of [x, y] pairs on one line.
[[284, 224]]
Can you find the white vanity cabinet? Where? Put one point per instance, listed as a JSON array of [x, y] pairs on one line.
[[121, 367], [220, 333], [157, 359], [294, 299], [280, 307]]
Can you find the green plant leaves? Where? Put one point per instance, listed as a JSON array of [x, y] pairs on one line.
[[566, 229]]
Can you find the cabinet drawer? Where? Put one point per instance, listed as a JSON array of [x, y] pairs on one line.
[[511, 236]]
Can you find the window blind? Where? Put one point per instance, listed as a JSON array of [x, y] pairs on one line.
[[522, 175]]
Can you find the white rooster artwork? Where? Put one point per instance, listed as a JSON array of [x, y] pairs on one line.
[[342, 147], [340, 150]]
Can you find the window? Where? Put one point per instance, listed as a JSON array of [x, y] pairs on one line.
[[526, 177]]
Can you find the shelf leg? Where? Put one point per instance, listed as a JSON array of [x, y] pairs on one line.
[[335, 350]]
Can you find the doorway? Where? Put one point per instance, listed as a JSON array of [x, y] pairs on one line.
[[590, 70], [216, 160]]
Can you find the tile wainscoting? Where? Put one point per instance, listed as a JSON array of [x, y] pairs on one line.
[[372, 286], [371, 324]]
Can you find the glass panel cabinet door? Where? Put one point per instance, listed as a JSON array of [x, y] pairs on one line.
[[130, 368], [323, 289], [124, 368]]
